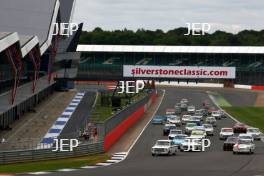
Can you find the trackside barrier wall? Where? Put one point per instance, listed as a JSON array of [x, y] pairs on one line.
[[116, 126], [47, 154]]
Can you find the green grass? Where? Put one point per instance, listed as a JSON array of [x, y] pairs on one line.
[[53, 165], [252, 116], [221, 101], [103, 113]]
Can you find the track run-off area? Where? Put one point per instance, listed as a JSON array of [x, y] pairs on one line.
[[213, 162]]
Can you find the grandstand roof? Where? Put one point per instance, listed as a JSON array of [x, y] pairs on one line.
[[172, 49], [67, 9], [30, 18], [7, 39]]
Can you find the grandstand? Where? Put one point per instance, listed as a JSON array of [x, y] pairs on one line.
[[33, 61], [106, 61]]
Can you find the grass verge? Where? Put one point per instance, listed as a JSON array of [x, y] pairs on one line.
[[53, 165], [102, 113], [252, 116], [221, 101]]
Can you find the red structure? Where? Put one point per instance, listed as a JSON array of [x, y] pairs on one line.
[[15, 59], [112, 137], [53, 51], [34, 56]]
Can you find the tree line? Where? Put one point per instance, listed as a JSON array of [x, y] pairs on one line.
[[171, 37]]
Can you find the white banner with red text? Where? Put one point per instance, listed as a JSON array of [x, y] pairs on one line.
[[188, 72]]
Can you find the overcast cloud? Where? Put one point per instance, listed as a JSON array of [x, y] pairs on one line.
[[227, 15]]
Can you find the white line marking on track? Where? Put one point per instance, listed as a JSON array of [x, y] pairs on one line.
[[121, 153], [118, 155], [213, 100], [164, 91], [118, 158], [103, 164], [89, 167], [66, 170], [112, 161], [38, 173]]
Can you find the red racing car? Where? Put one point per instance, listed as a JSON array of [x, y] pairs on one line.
[[240, 128]]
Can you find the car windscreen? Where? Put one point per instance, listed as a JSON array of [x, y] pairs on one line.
[[175, 132], [164, 143], [227, 130], [197, 132], [211, 119], [190, 125], [208, 126], [158, 118], [253, 130], [231, 139], [246, 137], [179, 137], [244, 142]]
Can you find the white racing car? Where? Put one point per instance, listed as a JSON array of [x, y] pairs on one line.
[[170, 111], [185, 118], [198, 117], [226, 132], [174, 133], [217, 114], [209, 129], [164, 147], [189, 127], [191, 144], [211, 120], [198, 134], [184, 100], [254, 132], [244, 146], [174, 120], [246, 137], [191, 109]]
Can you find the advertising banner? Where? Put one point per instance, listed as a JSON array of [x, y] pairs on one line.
[[179, 72]]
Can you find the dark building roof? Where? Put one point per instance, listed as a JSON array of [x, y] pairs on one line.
[[27, 17], [66, 10]]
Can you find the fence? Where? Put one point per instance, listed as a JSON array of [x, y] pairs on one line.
[[107, 131], [115, 120], [113, 128], [46, 154]]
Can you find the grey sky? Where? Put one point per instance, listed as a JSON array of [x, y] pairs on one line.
[[228, 15]]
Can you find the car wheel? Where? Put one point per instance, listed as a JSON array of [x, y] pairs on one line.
[[234, 153], [153, 154]]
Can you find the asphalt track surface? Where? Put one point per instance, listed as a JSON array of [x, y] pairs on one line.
[[213, 162], [239, 97], [79, 117]]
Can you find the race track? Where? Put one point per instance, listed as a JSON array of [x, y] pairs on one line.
[[213, 162]]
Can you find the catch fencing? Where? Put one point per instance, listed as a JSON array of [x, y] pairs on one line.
[[17, 156]]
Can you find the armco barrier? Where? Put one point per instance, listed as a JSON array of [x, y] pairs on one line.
[[47, 154], [116, 126]]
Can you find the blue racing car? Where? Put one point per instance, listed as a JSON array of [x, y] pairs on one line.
[[158, 119], [179, 139]]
